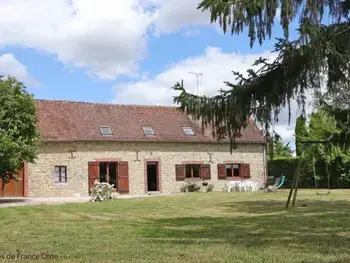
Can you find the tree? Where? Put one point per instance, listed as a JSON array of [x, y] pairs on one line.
[[19, 136], [276, 148], [300, 133], [319, 52], [324, 126]]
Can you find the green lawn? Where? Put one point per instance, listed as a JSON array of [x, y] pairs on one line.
[[196, 227]]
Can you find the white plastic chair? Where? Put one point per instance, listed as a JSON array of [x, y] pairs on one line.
[[232, 185]]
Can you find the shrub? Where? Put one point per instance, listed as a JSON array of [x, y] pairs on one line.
[[101, 192], [193, 187], [287, 166], [190, 187], [210, 187]]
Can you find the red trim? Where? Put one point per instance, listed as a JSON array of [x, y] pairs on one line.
[[233, 162], [159, 172], [192, 162], [107, 160], [25, 179]]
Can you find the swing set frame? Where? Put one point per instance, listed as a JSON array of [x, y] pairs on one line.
[[296, 178]]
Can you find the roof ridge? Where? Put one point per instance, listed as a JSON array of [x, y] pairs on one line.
[[107, 104]]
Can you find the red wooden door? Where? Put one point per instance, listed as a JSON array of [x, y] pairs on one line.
[[180, 172], [14, 188], [17, 186], [222, 172], [245, 170], [123, 178], [93, 174], [205, 171]]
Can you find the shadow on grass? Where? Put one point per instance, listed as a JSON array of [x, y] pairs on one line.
[[321, 227], [8, 200], [265, 207]]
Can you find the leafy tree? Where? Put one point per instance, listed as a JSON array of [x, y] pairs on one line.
[[19, 136], [324, 126], [319, 52], [300, 133], [276, 148]]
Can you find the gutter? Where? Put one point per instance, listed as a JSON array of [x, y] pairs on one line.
[[150, 141]]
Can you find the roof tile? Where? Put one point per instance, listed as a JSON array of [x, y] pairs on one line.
[[68, 120]]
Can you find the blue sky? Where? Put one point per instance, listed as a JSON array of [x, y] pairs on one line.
[[130, 51]]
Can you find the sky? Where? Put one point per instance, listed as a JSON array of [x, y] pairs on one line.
[[123, 51]]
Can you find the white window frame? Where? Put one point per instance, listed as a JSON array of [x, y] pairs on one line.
[[106, 127]]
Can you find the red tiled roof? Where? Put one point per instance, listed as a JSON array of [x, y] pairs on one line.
[[68, 120]]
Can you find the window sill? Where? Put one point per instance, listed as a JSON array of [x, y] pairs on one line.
[[234, 179], [56, 183], [193, 179]]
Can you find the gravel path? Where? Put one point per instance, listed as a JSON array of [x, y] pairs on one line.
[[21, 201]]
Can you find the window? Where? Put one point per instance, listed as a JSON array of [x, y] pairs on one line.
[[148, 130], [189, 171], [188, 131], [192, 170], [60, 174], [232, 170], [105, 130]]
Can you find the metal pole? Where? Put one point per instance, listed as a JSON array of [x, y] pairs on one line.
[[197, 77]]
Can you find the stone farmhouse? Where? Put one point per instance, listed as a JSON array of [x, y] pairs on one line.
[[140, 149]]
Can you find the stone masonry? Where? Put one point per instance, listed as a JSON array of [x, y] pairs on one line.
[[41, 179]]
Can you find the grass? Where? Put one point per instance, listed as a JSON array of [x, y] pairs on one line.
[[196, 227]]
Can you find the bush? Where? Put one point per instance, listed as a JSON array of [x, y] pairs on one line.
[[101, 192], [190, 187], [287, 167], [196, 187], [210, 187]]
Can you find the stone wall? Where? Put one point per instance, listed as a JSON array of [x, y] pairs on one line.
[[41, 180]]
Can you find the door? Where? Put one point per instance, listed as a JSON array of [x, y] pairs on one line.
[[93, 174], [14, 188], [152, 177], [123, 178]]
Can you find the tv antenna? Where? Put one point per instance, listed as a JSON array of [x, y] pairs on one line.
[[197, 76]]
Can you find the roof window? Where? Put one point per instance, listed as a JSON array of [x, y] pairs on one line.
[[106, 130], [148, 130], [188, 131]]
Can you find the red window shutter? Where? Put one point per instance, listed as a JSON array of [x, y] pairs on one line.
[[180, 172], [93, 173], [245, 170], [222, 171], [205, 171], [123, 178]]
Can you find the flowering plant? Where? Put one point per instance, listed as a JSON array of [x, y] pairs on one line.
[[101, 191]]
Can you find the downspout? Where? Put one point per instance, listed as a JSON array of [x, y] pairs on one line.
[[265, 164]]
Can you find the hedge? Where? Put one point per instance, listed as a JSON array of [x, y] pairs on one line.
[[287, 166]]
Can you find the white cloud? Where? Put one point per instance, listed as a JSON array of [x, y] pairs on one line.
[[107, 37], [173, 15], [215, 65], [9, 65]]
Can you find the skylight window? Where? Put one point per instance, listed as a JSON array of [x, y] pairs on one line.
[[188, 131], [148, 130], [105, 130]]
